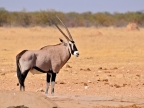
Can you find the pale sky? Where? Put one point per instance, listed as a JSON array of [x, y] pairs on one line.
[[79, 6]]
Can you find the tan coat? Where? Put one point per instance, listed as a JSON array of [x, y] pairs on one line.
[[52, 57]]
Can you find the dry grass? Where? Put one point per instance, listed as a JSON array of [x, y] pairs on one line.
[[110, 64], [116, 45]]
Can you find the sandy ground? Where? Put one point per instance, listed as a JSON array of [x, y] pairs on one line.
[[108, 74], [25, 99]]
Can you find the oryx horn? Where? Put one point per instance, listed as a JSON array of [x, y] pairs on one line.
[[60, 30], [65, 28]]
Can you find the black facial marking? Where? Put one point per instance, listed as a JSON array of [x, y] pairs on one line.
[[72, 41], [72, 47]]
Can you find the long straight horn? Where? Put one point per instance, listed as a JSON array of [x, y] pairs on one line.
[[60, 30], [65, 28]]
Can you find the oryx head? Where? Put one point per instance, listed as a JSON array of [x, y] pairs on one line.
[[72, 47]]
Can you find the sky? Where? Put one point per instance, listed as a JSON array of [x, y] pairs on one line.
[[79, 6]]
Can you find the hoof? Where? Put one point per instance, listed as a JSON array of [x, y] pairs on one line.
[[52, 93]]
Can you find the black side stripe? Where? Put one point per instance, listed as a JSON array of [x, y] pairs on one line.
[[38, 69]]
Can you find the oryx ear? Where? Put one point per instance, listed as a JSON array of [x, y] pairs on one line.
[[63, 41]]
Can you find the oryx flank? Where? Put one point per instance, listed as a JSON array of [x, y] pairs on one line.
[[49, 59]]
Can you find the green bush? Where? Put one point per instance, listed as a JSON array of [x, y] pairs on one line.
[[71, 19]]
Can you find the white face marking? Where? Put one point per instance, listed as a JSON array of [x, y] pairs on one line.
[[73, 47], [76, 53]]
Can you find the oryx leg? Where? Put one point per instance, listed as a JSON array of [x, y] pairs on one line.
[[53, 82], [22, 80], [48, 77]]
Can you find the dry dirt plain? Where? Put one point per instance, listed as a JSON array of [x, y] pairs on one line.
[[109, 73]]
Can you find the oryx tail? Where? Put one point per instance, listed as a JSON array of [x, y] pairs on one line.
[[19, 74]]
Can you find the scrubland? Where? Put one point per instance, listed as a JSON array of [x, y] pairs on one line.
[[109, 68]]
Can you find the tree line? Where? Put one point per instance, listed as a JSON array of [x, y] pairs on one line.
[[71, 19]]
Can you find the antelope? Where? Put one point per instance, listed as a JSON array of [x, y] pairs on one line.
[[49, 59]]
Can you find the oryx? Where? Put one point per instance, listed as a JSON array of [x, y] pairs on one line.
[[49, 59]]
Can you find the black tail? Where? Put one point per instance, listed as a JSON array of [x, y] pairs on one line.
[[20, 76]]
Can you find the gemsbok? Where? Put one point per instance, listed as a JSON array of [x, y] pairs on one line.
[[49, 59]]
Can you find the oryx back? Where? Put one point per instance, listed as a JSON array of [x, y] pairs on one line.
[[50, 58]]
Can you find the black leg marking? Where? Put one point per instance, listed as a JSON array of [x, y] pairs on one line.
[[53, 77], [23, 76], [48, 77], [53, 82]]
